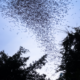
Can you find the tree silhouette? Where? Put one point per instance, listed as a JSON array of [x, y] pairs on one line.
[[15, 68], [71, 56]]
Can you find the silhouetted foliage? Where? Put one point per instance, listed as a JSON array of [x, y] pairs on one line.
[[71, 56], [15, 68]]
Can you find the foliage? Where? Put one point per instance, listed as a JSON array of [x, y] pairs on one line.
[[14, 67], [71, 56]]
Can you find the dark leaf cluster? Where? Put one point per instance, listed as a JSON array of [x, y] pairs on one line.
[[71, 56], [15, 68]]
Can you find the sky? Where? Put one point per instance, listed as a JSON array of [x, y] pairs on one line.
[[12, 36]]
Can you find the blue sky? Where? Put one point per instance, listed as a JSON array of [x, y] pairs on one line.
[[12, 37]]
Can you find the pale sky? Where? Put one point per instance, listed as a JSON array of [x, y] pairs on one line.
[[12, 37]]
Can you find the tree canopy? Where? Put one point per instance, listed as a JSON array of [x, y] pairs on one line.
[[70, 64], [15, 68]]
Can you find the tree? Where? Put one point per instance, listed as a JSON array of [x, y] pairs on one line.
[[70, 64], [38, 16], [14, 67]]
